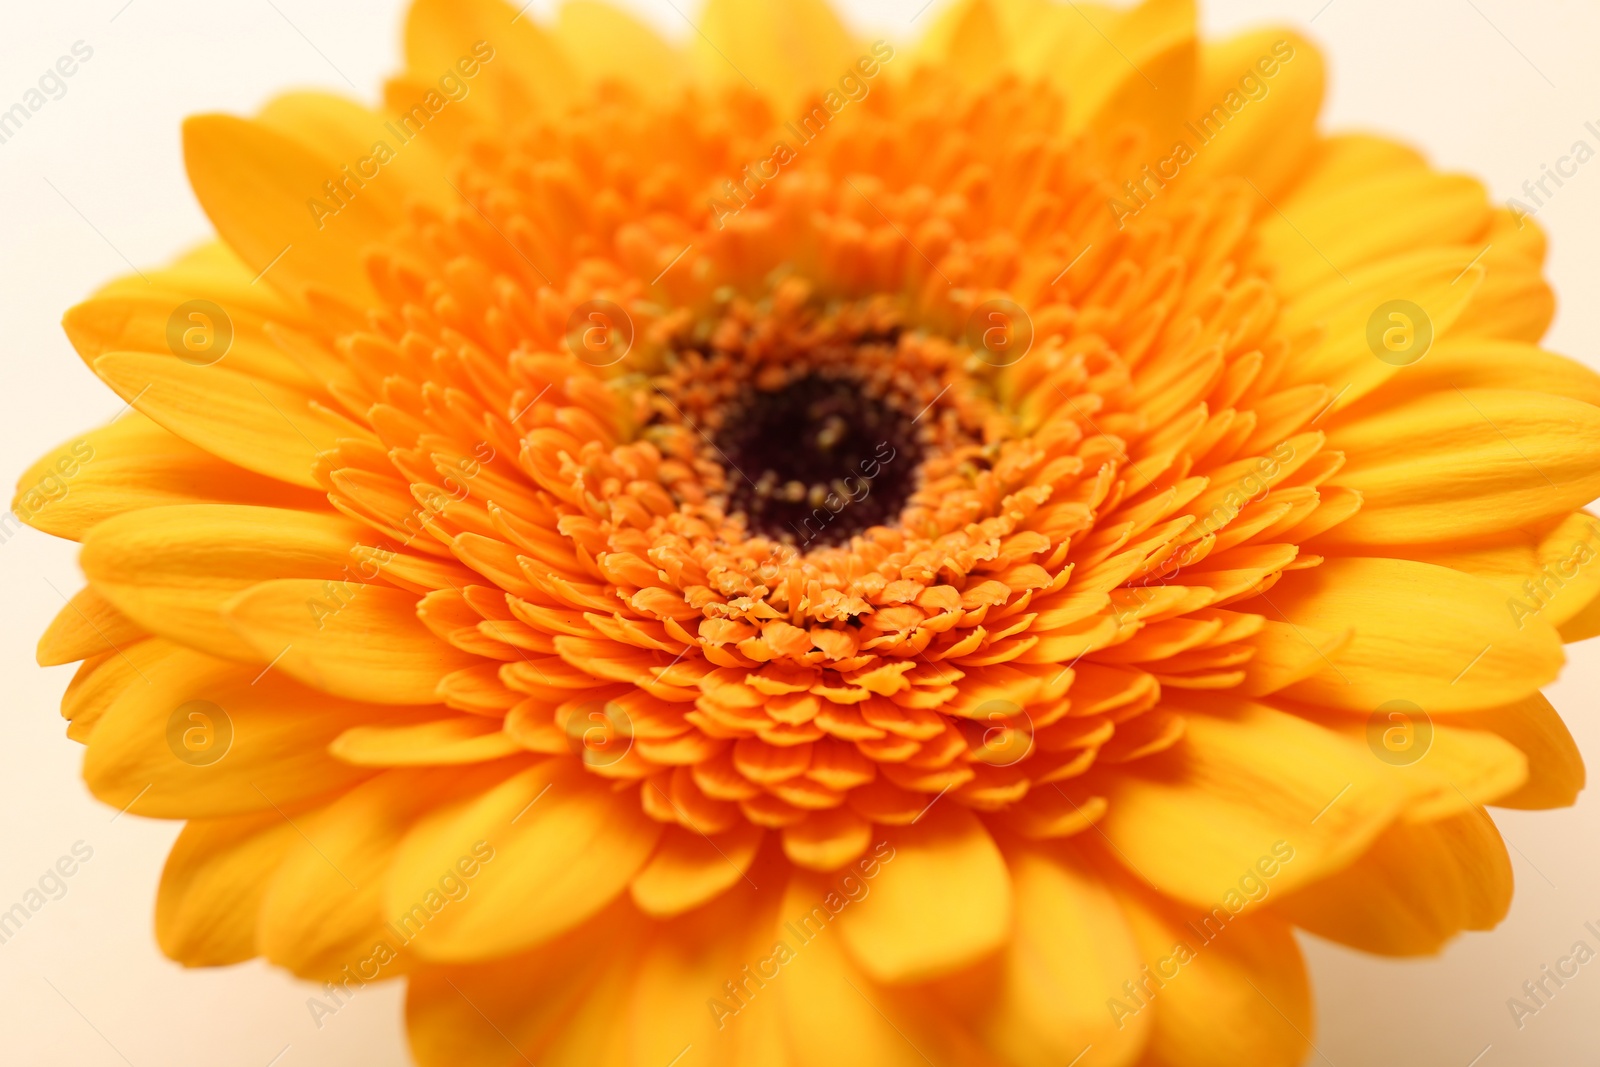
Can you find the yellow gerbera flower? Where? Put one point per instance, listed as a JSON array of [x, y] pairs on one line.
[[801, 551]]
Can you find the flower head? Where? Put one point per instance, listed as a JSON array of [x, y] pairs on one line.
[[808, 550]]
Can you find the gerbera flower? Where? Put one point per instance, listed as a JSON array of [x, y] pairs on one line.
[[805, 551]]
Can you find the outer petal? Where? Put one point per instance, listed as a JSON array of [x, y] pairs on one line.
[[212, 885], [1418, 887], [690, 869], [555, 1006], [458, 739], [134, 463], [1071, 951], [1466, 464], [1472, 363], [943, 902], [524, 70], [835, 1013], [322, 910], [1453, 627], [556, 859], [1267, 139], [1341, 307], [359, 641], [258, 425], [680, 997], [1555, 766], [1375, 216], [606, 42], [787, 50], [1515, 302], [1119, 69], [277, 755], [88, 626], [254, 184], [171, 569], [1239, 996], [139, 322], [1242, 781], [101, 680]]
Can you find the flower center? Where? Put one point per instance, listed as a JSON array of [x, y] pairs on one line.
[[818, 460]]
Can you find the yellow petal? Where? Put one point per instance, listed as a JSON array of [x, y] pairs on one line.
[[1286, 654], [171, 569], [258, 187], [134, 463], [944, 865], [1515, 302], [1454, 647], [1071, 951], [101, 680], [1472, 363], [1466, 463], [556, 844], [685, 971], [835, 1011], [1239, 994], [1446, 767], [1583, 625], [88, 626], [158, 322], [212, 885], [555, 1006], [1342, 309], [969, 41], [519, 67], [1118, 68], [691, 869], [786, 50], [1549, 575], [1419, 886], [827, 840], [210, 270], [359, 641], [606, 42], [1555, 766], [1566, 579], [257, 425], [1246, 779], [322, 911], [1377, 216], [1345, 160], [344, 135], [1267, 138], [461, 739], [156, 747]]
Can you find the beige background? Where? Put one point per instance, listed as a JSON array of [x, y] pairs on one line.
[[1492, 87]]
